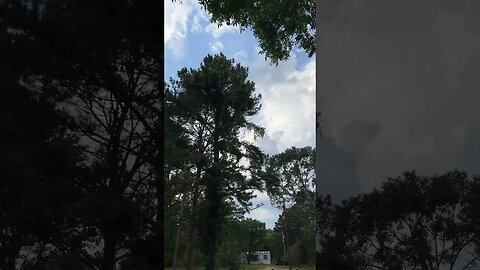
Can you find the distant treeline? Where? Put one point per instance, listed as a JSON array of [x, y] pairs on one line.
[[411, 222]]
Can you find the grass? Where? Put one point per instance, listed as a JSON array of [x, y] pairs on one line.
[[259, 267], [252, 267]]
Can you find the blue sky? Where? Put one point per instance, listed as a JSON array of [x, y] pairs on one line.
[[288, 90]]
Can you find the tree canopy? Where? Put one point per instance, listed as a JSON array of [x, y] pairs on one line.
[[85, 128], [412, 222], [213, 104], [279, 26]]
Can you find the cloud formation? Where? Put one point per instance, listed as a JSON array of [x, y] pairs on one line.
[[288, 101], [216, 47], [177, 16], [218, 31], [287, 114], [267, 213], [398, 87]]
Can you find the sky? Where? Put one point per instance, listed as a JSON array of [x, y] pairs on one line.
[[288, 90], [398, 87]]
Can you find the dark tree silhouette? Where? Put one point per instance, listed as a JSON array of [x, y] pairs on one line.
[[88, 170], [40, 165], [412, 222]]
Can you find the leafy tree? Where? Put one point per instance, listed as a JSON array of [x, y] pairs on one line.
[[333, 255], [217, 99], [38, 177], [412, 222], [273, 242], [278, 25], [301, 229], [255, 234], [301, 221], [41, 167], [294, 256], [242, 236], [291, 176], [109, 81], [186, 164], [231, 244]]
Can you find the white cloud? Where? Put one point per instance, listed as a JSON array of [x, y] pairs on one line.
[[288, 101], [188, 15], [177, 16], [261, 196], [198, 18], [241, 56], [266, 213], [216, 46], [217, 31], [288, 114]]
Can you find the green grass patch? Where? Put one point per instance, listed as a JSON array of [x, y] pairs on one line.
[[252, 267]]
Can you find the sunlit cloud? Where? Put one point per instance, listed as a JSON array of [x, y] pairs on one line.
[[216, 46], [177, 18], [218, 31]]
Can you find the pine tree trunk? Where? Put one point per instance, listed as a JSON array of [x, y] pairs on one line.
[[213, 199], [191, 249], [286, 242], [191, 231], [108, 262], [212, 222], [175, 253], [177, 239]]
